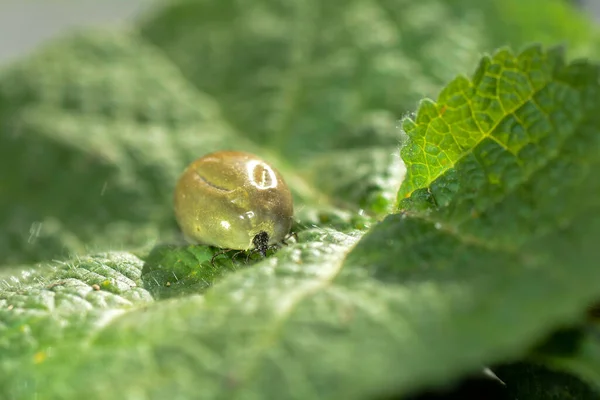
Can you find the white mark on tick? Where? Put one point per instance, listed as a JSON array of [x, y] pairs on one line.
[[225, 224]]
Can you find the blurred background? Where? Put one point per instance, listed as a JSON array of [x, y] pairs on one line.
[[24, 24]]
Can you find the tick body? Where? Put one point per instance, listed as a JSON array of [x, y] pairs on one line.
[[233, 200]]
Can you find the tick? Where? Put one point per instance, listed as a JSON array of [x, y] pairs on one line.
[[235, 201]]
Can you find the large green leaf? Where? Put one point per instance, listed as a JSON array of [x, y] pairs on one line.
[[491, 247], [419, 299]]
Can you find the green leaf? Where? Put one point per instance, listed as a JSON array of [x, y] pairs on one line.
[[319, 317], [101, 125], [500, 210], [501, 200], [71, 301], [491, 249], [338, 75], [318, 67], [584, 362], [114, 121], [172, 271]]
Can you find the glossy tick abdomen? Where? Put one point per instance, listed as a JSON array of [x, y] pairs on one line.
[[226, 198]]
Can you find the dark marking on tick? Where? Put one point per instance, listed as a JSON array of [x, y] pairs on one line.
[[209, 183]]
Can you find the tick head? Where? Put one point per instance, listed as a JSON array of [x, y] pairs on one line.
[[261, 242]]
